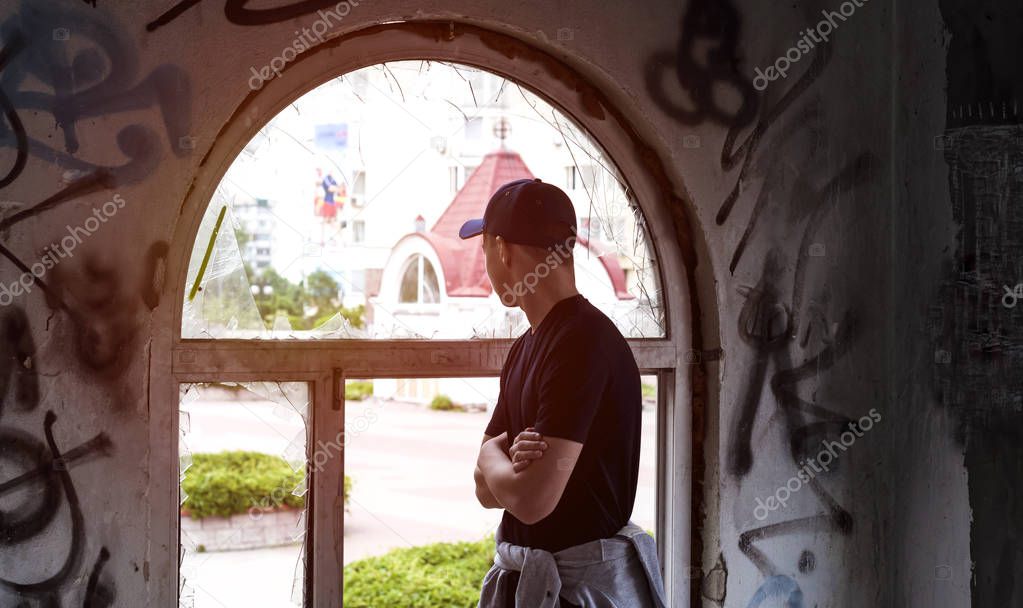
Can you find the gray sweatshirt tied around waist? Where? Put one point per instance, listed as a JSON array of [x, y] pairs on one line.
[[591, 574]]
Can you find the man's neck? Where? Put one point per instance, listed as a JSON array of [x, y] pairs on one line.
[[536, 305]]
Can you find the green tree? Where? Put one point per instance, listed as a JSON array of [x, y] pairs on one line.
[[285, 297], [322, 290]]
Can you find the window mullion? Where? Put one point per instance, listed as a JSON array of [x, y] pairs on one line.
[[325, 516]]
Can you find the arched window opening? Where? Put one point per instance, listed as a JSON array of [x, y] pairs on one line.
[[386, 161], [334, 232]]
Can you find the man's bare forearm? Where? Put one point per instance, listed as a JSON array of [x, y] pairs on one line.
[[500, 477], [483, 493]]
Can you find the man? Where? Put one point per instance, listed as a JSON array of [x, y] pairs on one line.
[[561, 452]]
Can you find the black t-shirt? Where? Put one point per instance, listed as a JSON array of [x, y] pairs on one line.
[[575, 378]]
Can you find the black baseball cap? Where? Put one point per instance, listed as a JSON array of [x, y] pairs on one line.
[[528, 212]]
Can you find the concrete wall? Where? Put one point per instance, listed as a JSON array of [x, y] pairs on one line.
[[255, 529], [830, 242], [959, 246]]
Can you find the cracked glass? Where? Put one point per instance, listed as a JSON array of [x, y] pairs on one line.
[[242, 480], [315, 228]]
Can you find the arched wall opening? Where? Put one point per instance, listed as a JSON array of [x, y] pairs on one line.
[[680, 373]]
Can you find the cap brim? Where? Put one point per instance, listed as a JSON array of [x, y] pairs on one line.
[[471, 228]]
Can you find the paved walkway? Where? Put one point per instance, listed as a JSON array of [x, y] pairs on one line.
[[412, 484]]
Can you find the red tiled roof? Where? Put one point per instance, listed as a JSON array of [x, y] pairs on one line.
[[464, 266], [465, 271], [496, 169]]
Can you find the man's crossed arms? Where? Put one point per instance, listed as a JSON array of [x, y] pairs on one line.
[[528, 478]]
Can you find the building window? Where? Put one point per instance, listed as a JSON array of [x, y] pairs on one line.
[[419, 283], [358, 188], [453, 181], [359, 231], [581, 178]]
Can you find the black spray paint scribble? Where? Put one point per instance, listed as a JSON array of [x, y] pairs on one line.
[[14, 44], [708, 71], [102, 307], [718, 23], [45, 483], [706, 21], [237, 12], [101, 78], [773, 327], [99, 594], [763, 324], [107, 309]]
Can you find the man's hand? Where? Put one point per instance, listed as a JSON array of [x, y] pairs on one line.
[[528, 446]]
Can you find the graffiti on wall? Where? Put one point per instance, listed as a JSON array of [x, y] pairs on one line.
[[77, 66], [239, 13], [778, 324], [38, 475], [89, 68], [71, 91]]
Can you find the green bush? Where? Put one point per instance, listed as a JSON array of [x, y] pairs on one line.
[[442, 402], [440, 574], [357, 390], [230, 483], [649, 391]]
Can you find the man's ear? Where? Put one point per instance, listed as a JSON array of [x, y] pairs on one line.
[[503, 251]]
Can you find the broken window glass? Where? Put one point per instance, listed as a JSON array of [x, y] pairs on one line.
[[243, 455], [312, 230]]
